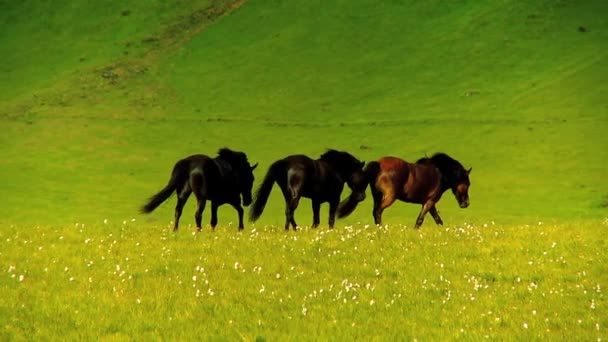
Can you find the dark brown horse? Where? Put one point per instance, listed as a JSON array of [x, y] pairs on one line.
[[321, 180], [221, 180], [424, 182]]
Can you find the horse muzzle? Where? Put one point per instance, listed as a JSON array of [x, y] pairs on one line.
[[465, 203]]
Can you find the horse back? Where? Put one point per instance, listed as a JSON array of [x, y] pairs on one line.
[[314, 178], [394, 169], [217, 179], [195, 159], [196, 163], [414, 183], [292, 166], [298, 161]]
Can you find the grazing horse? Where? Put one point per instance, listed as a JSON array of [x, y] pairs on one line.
[[424, 182], [221, 180], [321, 180]]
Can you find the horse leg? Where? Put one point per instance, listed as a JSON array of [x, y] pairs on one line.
[[214, 207], [198, 216], [182, 198], [291, 192], [377, 211], [316, 208], [197, 185], [435, 215], [425, 209], [333, 206], [382, 200], [239, 209], [293, 204]]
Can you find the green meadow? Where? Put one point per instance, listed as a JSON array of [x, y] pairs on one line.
[[99, 100]]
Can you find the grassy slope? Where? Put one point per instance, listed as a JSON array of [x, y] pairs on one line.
[[407, 69], [275, 78], [43, 43], [512, 89]]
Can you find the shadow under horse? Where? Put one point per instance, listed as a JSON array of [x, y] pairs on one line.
[[424, 182], [222, 180], [321, 180]]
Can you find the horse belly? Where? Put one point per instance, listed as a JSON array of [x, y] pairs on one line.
[[316, 191], [420, 190], [310, 193], [413, 192]]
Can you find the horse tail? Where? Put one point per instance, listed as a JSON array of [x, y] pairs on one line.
[[372, 169], [176, 179], [263, 192], [349, 205]]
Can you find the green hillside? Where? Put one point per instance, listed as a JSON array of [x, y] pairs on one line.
[[98, 100]]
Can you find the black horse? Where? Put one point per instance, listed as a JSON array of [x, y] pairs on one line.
[[424, 182], [321, 180], [221, 180]]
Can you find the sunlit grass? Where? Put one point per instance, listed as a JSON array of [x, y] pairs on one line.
[[132, 280]]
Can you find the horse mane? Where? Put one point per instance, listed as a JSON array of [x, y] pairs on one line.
[[449, 167], [442, 161], [423, 160], [340, 159], [233, 157]]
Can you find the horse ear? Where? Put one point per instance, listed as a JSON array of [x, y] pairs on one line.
[[469, 170], [254, 166]]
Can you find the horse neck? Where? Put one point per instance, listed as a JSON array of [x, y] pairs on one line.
[[334, 166], [224, 166], [444, 179]]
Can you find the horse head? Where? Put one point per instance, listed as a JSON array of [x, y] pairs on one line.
[[456, 177]]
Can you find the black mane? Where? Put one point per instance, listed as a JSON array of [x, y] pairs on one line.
[[442, 161], [341, 160], [423, 160], [233, 157], [451, 168]]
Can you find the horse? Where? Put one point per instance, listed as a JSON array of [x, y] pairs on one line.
[[222, 180], [424, 183], [321, 180]]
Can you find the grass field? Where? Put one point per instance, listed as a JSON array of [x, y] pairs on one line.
[[98, 100], [128, 281]]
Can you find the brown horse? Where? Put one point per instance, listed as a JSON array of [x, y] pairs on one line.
[[424, 182]]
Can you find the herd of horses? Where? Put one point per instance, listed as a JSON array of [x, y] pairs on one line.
[[228, 179]]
